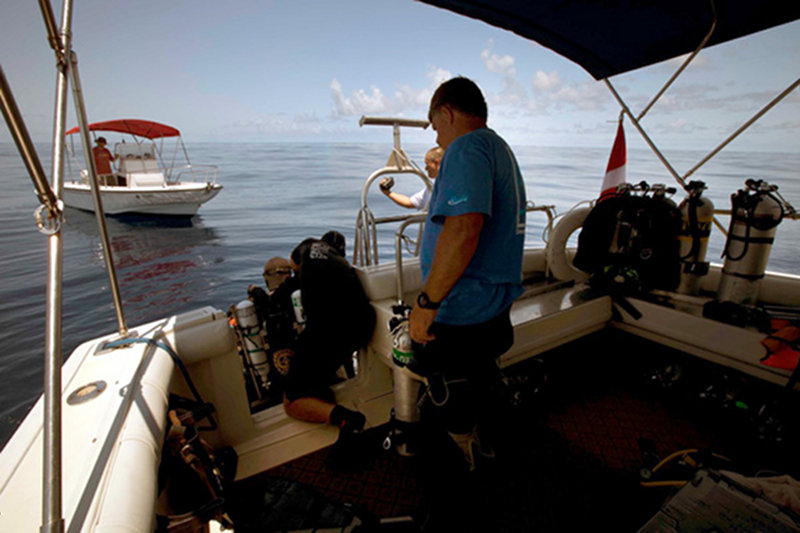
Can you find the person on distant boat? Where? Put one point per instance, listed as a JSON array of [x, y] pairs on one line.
[[419, 200], [339, 321], [471, 260], [102, 162]]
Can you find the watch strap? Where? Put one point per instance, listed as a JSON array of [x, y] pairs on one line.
[[424, 301]]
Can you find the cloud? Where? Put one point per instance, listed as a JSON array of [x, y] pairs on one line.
[[405, 99], [583, 96], [513, 93], [498, 64], [360, 102], [552, 90], [545, 82], [438, 75], [548, 90]]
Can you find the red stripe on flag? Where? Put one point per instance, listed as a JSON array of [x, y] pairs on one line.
[[615, 172]]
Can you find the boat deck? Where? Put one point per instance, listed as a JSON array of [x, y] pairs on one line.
[[571, 436]]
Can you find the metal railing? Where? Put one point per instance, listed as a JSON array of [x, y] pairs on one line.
[[196, 174], [408, 220], [365, 249]]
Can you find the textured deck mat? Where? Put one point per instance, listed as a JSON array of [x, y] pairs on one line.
[[571, 438]]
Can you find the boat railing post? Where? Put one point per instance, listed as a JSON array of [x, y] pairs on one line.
[[398, 252], [80, 113], [398, 163]]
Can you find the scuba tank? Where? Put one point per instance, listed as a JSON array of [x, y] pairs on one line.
[[756, 212], [252, 339], [406, 414], [299, 312], [697, 213]]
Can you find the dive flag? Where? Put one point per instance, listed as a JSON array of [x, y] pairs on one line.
[[615, 173]]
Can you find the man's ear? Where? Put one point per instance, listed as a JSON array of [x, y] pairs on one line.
[[448, 113]]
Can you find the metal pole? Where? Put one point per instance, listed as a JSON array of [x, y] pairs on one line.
[[52, 511], [53, 38], [25, 146], [681, 69], [744, 126], [643, 133], [652, 145], [80, 113], [398, 253]]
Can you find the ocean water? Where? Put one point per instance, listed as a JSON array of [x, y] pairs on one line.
[[274, 196]]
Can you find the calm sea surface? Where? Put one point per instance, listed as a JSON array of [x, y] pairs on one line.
[[274, 196]]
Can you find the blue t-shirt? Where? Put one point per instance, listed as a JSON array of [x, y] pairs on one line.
[[479, 174]]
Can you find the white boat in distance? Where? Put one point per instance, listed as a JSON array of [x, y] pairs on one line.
[[143, 183]]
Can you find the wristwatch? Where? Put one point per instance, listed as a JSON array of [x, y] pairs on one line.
[[424, 301]]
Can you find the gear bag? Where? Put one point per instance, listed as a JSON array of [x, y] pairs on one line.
[[632, 240]]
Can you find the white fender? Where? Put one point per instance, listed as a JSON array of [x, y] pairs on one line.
[[558, 261]]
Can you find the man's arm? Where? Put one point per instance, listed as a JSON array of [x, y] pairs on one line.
[[400, 199], [455, 247]]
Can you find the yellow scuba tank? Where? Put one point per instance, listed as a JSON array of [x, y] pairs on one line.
[[756, 212], [697, 213]]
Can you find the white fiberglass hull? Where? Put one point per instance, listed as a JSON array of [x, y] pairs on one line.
[[113, 439], [181, 199]]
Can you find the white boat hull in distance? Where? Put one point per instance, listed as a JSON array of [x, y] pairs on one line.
[[181, 199]]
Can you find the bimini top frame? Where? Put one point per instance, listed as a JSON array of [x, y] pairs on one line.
[[49, 220], [636, 119]]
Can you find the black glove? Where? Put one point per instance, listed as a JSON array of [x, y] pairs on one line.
[[386, 184]]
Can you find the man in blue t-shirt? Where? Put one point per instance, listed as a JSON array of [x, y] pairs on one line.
[[471, 259]]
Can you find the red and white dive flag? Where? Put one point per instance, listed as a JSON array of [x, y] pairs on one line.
[[615, 173]]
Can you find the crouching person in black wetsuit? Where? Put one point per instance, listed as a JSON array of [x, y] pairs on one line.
[[339, 321]]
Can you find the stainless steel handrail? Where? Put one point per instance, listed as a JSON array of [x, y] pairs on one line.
[[398, 251], [549, 210], [365, 250], [366, 243], [207, 173]]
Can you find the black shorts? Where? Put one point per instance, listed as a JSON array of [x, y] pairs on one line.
[[465, 351], [326, 344], [460, 366], [318, 354]]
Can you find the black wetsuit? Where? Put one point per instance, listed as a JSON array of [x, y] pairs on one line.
[[276, 313], [339, 321]]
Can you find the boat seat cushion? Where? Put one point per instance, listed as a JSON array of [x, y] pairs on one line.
[[145, 179]]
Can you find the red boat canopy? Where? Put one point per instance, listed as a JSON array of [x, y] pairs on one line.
[[142, 128]]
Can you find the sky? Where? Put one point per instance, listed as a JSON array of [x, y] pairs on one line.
[[306, 71]]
